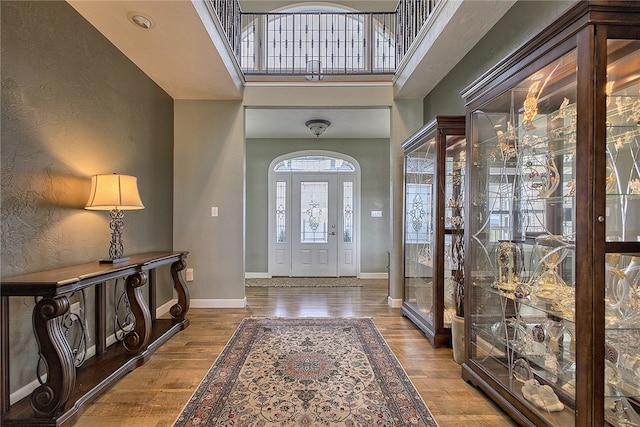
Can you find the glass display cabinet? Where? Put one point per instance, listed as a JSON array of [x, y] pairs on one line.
[[433, 183], [553, 237]]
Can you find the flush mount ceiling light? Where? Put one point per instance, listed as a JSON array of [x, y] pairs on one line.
[[141, 20], [317, 126], [314, 70]]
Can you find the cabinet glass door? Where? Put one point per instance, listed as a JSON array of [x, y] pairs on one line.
[[453, 271], [622, 267], [420, 166], [521, 227], [433, 225]]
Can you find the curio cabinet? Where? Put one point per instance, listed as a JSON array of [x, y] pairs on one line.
[[433, 216], [552, 266]]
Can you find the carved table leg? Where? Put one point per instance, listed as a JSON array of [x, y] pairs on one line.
[[179, 310], [137, 339], [49, 399]]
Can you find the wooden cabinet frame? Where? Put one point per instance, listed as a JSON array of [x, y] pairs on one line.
[[438, 138]]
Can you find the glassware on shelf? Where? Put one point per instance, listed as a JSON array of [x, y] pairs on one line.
[[612, 175], [541, 396], [612, 377], [424, 296], [620, 413], [522, 370], [546, 283], [554, 331], [622, 290], [543, 175], [509, 265]]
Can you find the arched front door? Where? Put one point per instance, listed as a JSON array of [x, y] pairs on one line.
[[313, 207]]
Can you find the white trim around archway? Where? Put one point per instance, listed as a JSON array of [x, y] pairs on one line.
[[280, 250]]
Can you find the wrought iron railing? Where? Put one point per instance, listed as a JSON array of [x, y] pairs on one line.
[[314, 43], [229, 14], [410, 17], [321, 43]]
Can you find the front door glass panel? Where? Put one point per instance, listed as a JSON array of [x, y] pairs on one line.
[[314, 203]]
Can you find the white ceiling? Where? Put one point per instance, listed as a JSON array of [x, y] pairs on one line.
[[185, 55]]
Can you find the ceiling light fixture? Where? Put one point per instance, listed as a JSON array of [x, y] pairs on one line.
[[141, 20], [314, 70], [317, 126]]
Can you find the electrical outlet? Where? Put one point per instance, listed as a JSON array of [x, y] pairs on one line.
[[189, 275], [75, 309]]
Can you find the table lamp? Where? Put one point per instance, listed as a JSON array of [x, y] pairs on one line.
[[115, 193]]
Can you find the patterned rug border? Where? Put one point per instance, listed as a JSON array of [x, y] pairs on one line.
[[304, 282], [425, 416]]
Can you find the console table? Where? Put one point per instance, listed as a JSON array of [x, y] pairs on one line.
[[68, 390]]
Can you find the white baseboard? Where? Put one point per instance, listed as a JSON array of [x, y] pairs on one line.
[[253, 275], [205, 303], [219, 303], [394, 303], [25, 391], [382, 275], [91, 351], [164, 308]]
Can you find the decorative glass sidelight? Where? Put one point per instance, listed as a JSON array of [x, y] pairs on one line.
[[281, 211], [314, 202], [347, 214]]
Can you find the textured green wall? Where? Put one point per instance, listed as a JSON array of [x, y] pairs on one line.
[[523, 21], [209, 172], [72, 106]]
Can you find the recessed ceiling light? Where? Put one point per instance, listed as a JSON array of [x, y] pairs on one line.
[[141, 20]]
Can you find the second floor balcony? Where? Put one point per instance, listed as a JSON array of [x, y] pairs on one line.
[[321, 40], [211, 49]]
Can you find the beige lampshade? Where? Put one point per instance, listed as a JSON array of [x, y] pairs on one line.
[[114, 191]]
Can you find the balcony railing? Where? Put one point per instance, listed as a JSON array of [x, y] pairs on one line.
[[315, 44], [410, 17]]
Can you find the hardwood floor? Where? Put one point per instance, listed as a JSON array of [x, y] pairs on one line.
[[154, 394]]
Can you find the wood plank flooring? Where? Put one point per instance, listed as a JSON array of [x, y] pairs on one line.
[[154, 394]]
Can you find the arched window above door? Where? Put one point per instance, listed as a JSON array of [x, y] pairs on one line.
[[314, 163]]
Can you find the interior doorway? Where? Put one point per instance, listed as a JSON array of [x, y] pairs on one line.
[[313, 215]]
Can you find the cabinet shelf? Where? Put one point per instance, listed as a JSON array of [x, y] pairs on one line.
[[534, 303], [498, 349]]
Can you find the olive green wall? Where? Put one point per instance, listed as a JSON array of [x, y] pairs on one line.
[[209, 172], [72, 106], [373, 157], [523, 21]]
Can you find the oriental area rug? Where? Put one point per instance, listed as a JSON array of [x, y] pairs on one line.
[[306, 372]]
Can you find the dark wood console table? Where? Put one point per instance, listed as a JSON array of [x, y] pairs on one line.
[[67, 390]]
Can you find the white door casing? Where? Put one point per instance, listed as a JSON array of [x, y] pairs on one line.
[[313, 215]]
